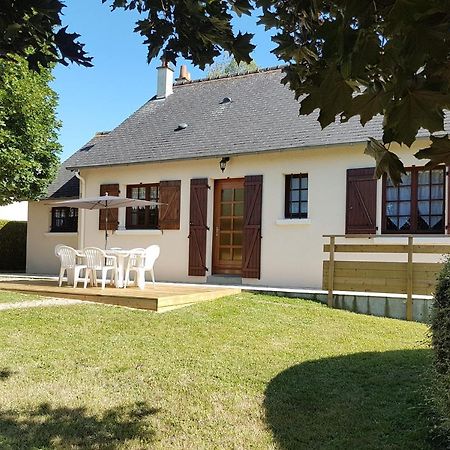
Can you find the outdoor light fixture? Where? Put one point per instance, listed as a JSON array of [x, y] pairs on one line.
[[223, 163]]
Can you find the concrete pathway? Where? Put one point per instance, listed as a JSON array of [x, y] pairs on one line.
[[40, 303]]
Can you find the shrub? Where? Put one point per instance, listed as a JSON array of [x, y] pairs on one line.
[[13, 243], [440, 338]]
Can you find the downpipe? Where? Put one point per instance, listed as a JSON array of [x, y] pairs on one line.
[[81, 212]]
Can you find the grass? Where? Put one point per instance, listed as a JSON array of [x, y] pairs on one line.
[[15, 297], [247, 371]]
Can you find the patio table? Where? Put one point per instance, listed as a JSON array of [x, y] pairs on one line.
[[122, 256]]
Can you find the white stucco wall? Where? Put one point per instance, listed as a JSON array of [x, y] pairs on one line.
[[41, 257], [291, 254]]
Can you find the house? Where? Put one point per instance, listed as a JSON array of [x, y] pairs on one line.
[[248, 187]]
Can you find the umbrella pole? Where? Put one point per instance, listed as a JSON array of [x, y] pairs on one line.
[[106, 227]]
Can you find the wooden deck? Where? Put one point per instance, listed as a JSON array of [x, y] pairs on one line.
[[162, 297]]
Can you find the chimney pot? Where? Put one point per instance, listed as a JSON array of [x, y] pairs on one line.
[[184, 74]]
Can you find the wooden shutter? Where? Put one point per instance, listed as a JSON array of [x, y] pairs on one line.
[[251, 251], [113, 213], [169, 212], [197, 227], [361, 201]]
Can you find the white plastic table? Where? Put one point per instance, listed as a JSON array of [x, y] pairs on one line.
[[122, 256]]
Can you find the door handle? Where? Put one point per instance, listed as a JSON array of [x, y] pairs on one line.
[[217, 231]]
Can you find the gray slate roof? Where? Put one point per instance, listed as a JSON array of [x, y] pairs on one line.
[[66, 184], [262, 116]]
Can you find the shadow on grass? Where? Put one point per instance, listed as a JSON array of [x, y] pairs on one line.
[[47, 427], [360, 401], [5, 374]]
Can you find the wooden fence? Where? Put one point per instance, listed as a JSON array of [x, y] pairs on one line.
[[407, 277]]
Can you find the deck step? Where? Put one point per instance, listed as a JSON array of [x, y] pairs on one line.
[[224, 280]]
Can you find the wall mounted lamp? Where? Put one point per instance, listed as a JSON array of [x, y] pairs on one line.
[[223, 163]]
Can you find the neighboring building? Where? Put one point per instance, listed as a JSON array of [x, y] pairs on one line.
[[16, 211], [285, 183]]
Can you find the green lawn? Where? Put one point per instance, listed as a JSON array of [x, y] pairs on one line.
[[243, 372], [14, 297]]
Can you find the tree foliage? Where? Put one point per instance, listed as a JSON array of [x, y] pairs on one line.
[[28, 132], [440, 329], [32, 29], [229, 66], [344, 57]]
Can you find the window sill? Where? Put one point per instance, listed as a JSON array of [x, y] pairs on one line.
[[139, 232], [61, 233], [293, 222], [418, 235]]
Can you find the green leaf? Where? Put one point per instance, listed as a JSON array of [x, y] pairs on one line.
[[310, 102], [367, 105], [418, 108], [438, 152], [242, 47], [241, 7], [386, 161], [269, 19], [336, 97]]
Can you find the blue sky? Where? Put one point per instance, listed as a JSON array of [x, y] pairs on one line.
[[100, 98]]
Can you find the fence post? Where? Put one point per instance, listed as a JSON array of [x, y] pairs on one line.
[[409, 280], [331, 272]]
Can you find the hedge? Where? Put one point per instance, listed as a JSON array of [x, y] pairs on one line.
[[13, 244], [440, 339]]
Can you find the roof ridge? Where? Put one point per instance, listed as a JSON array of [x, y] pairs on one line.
[[227, 76]]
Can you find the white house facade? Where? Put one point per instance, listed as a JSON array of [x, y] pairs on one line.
[[248, 188]]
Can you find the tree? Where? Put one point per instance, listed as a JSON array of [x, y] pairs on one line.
[[344, 57], [440, 342], [229, 66], [32, 29], [28, 132]]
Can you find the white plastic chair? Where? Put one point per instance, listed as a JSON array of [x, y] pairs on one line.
[[97, 259], [57, 247], [141, 261], [68, 257]]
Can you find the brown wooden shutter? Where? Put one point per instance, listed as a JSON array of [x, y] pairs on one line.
[[197, 227], [169, 212], [361, 201], [251, 251], [113, 213]]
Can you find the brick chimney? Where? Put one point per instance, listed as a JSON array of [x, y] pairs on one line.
[[165, 80], [184, 74]]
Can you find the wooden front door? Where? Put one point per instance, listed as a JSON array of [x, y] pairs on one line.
[[228, 226]]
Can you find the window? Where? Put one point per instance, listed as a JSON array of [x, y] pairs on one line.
[[296, 196], [143, 217], [417, 205], [64, 220]]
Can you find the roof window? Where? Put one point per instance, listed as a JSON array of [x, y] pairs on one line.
[[181, 126]]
